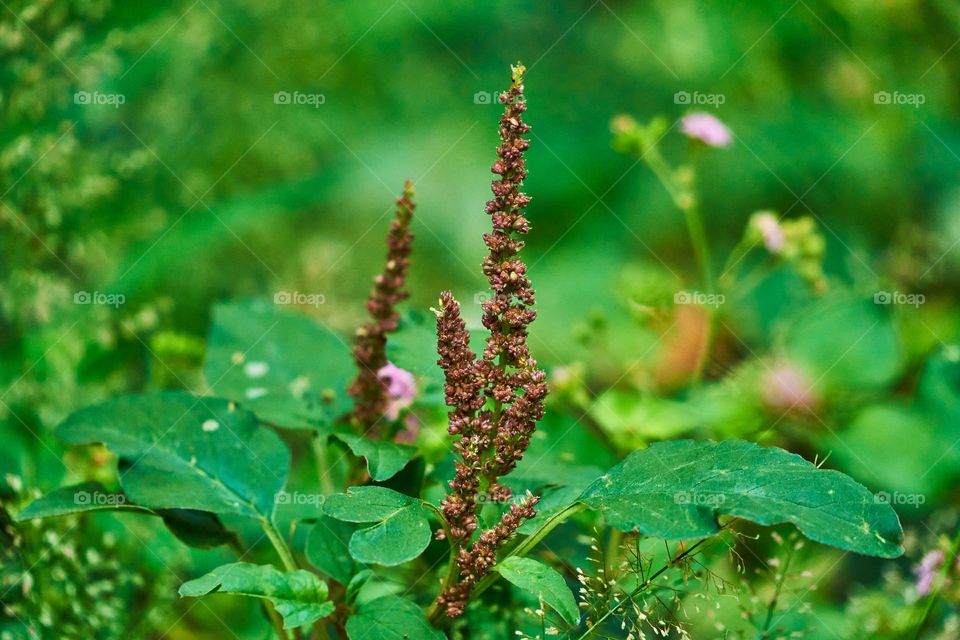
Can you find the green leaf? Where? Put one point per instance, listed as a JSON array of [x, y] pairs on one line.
[[197, 529], [327, 546], [848, 343], [384, 458], [678, 489], [390, 618], [78, 498], [282, 365], [543, 582], [179, 451], [300, 597], [401, 531]]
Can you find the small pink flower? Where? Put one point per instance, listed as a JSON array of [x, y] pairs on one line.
[[401, 388], [771, 231], [927, 570], [787, 388], [707, 129]]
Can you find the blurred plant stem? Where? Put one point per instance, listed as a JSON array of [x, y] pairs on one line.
[[268, 609], [279, 544], [671, 562], [948, 561], [318, 441], [679, 184]]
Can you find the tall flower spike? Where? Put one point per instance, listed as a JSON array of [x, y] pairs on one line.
[[369, 390], [492, 436]]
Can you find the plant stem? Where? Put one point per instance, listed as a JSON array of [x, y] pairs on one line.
[[318, 442], [279, 544], [433, 613], [643, 585], [685, 199], [948, 562], [522, 549], [276, 621], [771, 608], [528, 543]]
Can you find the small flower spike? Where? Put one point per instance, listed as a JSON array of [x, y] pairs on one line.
[[370, 390], [496, 400]]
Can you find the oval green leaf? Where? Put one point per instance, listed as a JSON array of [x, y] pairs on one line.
[[678, 489], [300, 597], [543, 582], [400, 531], [390, 618], [179, 451]]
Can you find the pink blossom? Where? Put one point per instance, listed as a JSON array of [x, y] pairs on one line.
[[707, 129], [771, 231], [927, 570], [401, 388], [787, 388]]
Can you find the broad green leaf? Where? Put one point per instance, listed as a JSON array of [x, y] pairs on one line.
[[939, 388], [850, 344], [282, 365], [390, 618], [300, 597], [631, 417], [907, 480], [327, 549], [78, 498], [400, 531], [197, 529], [179, 451], [678, 489], [543, 582], [384, 458]]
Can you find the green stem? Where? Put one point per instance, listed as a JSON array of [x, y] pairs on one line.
[[772, 607], [522, 549], [433, 613], [948, 562], [279, 544], [646, 583], [685, 199], [528, 543], [318, 442], [275, 620], [701, 247]]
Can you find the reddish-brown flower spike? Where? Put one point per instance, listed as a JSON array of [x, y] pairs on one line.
[[466, 422], [368, 390], [497, 399]]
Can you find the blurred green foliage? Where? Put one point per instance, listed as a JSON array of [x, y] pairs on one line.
[[148, 153]]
